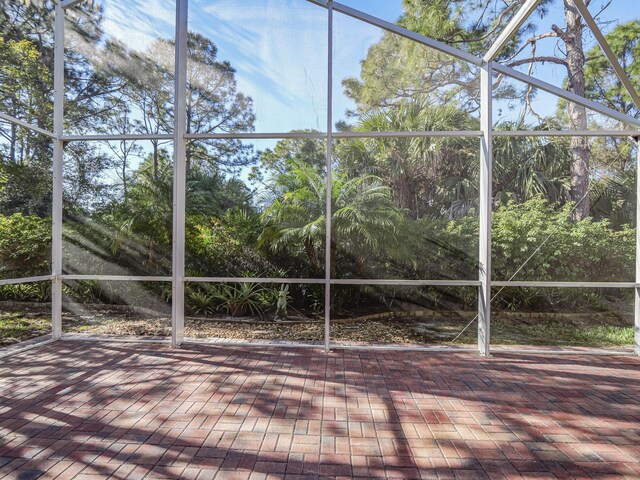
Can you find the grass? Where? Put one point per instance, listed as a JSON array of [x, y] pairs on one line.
[[16, 327], [552, 332]]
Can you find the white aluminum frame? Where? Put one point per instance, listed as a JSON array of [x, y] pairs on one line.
[[606, 48], [28, 126], [179, 175], [636, 337], [58, 160], [486, 207], [179, 137], [511, 29], [328, 215]]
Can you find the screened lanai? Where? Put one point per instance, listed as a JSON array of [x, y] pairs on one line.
[[167, 172], [303, 239]]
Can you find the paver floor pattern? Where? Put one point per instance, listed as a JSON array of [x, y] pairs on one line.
[[112, 410]]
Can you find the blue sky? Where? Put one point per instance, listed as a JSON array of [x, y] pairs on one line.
[[279, 48]]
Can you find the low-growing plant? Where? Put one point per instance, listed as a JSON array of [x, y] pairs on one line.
[[26, 292], [202, 302], [242, 299]]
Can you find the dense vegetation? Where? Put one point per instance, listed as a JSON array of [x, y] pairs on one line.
[[402, 208]]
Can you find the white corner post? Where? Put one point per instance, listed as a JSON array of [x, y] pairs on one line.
[[179, 176], [486, 203], [636, 337], [329, 172], [58, 153]]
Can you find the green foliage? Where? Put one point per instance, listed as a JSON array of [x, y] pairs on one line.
[[362, 215], [236, 300], [525, 167], [226, 245], [602, 83], [564, 250], [25, 246], [242, 299], [24, 81], [541, 236], [426, 175], [202, 302], [26, 292]]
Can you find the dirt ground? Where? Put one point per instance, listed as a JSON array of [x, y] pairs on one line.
[[508, 328]]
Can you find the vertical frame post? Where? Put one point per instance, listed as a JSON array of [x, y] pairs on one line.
[[58, 153], [329, 167], [486, 201], [636, 337], [179, 175]]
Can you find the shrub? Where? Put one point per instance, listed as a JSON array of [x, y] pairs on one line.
[[541, 236], [25, 246]]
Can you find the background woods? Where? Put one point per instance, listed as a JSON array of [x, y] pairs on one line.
[[401, 207]]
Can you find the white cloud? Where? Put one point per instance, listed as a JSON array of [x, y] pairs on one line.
[[278, 47]]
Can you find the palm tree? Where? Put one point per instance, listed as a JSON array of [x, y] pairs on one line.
[[525, 167], [363, 218], [427, 175]]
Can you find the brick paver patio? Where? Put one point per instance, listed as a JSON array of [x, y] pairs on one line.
[[107, 410]]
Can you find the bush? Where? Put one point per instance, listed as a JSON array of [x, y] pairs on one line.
[[223, 247], [562, 251], [536, 234], [25, 246]]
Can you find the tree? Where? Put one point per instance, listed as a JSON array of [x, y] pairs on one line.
[[526, 167], [145, 218], [427, 176], [602, 83], [215, 105], [396, 70], [124, 151], [24, 89], [363, 219]]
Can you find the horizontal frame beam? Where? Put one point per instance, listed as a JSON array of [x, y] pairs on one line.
[[335, 281], [565, 94], [106, 338], [106, 138], [426, 133], [409, 283], [399, 348], [302, 281], [28, 126], [252, 135], [501, 350], [229, 342], [17, 281], [541, 284], [350, 134], [566, 133], [117, 278]]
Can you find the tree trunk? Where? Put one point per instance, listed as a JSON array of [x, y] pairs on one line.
[[310, 250], [12, 143], [155, 159], [124, 178], [577, 114]]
